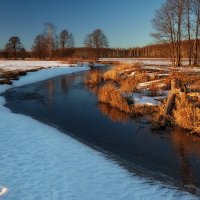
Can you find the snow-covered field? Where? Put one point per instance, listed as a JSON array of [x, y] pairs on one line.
[[10, 65], [40, 162], [144, 61], [153, 63]]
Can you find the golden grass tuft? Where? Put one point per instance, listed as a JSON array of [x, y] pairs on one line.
[[127, 66], [186, 115], [130, 83], [185, 78], [117, 71], [93, 78], [110, 75], [110, 95]]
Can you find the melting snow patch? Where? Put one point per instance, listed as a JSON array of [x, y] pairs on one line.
[[9, 65], [149, 83], [140, 99]]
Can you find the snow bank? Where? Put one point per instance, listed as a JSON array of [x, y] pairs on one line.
[[162, 62], [140, 99], [144, 61], [48, 73], [157, 83], [10, 65], [39, 162]]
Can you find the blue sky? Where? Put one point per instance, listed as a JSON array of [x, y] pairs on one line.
[[126, 23]]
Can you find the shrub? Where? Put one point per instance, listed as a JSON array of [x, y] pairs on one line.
[[110, 75], [93, 78], [110, 95], [130, 83], [127, 66], [186, 115], [117, 71]]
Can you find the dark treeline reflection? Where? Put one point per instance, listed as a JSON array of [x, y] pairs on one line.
[[112, 113], [187, 147], [52, 86]]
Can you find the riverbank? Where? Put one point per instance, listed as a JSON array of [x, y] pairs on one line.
[[144, 90]]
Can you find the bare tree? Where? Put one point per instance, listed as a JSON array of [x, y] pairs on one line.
[[49, 31], [40, 47], [97, 40], [188, 24], [164, 27], [179, 9], [70, 41], [13, 46], [196, 11], [167, 24], [64, 36], [66, 40]]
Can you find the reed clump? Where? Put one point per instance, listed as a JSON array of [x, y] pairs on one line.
[[109, 94], [186, 115], [93, 78]]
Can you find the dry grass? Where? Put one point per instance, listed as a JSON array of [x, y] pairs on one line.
[[143, 110], [130, 83], [119, 70], [185, 78], [73, 60], [127, 66], [154, 90], [119, 80], [110, 75], [93, 78], [191, 81], [186, 115], [110, 95], [157, 117]]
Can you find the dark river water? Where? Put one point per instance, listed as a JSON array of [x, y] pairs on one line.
[[66, 103]]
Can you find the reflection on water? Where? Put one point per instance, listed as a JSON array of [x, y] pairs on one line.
[[64, 84], [114, 114], [50, 86], [187, 147], [94, 89], [191, 144]]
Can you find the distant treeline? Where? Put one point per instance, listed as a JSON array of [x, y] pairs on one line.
[[150, 51]]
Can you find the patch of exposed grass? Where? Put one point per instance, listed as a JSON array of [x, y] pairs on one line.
[[130, 83], [93, 78], [110, 95], [110, 75], [120, 70], [127, 66], [185, 78], [186, 115], [143, 110]]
